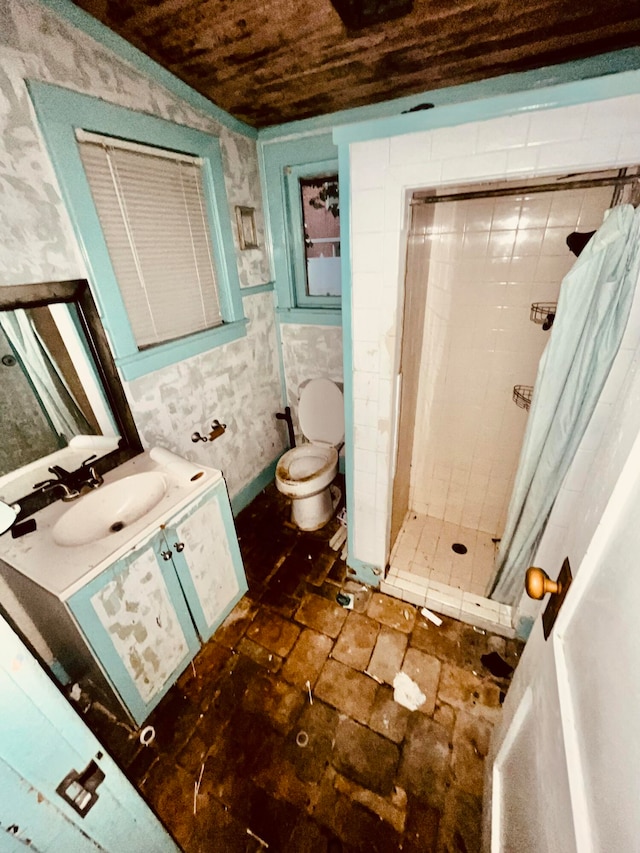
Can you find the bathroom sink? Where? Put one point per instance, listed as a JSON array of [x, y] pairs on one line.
[[110, 509]]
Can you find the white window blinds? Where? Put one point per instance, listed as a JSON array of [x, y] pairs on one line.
[[152, 210]]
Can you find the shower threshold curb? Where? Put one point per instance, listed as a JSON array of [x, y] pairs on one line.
[[450, 601]]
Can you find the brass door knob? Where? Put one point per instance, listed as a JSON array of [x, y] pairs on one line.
[[538, 583]]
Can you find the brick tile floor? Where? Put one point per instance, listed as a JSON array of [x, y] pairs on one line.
[[353, 770]]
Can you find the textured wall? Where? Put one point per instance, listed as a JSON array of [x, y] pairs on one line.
[[238, 383], [309, 352], [37, 241]]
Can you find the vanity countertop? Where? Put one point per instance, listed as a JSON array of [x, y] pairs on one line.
[[62, 570]]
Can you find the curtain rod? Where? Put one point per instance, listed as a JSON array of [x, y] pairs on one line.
[[582, 184]]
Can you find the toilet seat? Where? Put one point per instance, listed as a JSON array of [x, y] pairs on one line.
[[311, 467]]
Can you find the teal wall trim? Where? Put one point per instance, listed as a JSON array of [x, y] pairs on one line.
[[59, 673], [275, 158], [257, 288], [446, 115], [106, 37], [253, 489], [552, 75], [310, 316], [524, 627], [60, 112], [364, 572], [341, 464]]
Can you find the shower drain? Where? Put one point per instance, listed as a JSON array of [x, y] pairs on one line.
[[459, 548]]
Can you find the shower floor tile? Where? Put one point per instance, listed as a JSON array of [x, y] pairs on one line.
[[424, 548]]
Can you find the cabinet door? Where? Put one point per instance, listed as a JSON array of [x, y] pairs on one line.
[[207, 559], [135, 619]]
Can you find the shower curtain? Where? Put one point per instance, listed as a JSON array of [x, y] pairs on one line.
[[593, 306], [51, 390]]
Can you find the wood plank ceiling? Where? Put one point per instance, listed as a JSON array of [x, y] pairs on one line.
[[272, 61]]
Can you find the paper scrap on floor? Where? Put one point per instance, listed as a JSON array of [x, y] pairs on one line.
[[407, 693]]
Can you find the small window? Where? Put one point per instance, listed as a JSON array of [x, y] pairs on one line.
[[314, 234], [153, 214], [320, 203]]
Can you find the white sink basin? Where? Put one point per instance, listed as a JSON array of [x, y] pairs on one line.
[[110, 509]]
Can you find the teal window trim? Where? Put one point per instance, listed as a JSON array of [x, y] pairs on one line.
[[292, 177], [276, 158], [310, 316], [60, 112], [253, 289], [146, 361]]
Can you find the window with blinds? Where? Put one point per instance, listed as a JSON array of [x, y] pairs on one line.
[[153, 214]]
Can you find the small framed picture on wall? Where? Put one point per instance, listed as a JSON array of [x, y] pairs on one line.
[[246, 220]]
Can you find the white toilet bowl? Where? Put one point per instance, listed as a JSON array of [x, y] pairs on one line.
[[305, 473]]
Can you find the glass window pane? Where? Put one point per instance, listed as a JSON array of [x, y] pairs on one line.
[[321, 221]]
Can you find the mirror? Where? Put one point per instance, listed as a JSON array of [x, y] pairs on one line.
[[59, 389], [43, 404]]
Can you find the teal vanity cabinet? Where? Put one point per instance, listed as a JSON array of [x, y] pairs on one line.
[[204, 550], [144, 616]]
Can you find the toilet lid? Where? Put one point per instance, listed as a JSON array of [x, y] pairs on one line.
[[321, 412]]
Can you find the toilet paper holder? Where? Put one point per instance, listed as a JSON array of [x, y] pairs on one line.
[[217, 429]]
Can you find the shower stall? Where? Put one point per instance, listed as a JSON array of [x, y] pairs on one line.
[[483, 273]]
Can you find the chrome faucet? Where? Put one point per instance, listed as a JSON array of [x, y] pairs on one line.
[[68, 494], [74, 484]]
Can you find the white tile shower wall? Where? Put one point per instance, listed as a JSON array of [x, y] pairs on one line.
[[589, 136], [491, 258]]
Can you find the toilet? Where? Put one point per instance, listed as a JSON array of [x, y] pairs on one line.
[[306, 472]]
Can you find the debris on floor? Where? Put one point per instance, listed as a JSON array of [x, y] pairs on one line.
[[432, 617], [345, 600], [289, 721], [338, 539], [496, 665], [407, 693]]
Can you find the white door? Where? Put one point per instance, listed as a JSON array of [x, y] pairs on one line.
[[564, 771]]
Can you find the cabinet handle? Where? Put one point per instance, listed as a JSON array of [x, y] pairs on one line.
[[166, 555], [179, 546]]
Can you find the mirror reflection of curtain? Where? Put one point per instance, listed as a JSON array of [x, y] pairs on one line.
[[53, 394]]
